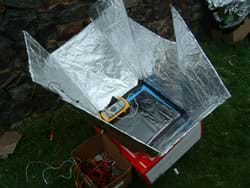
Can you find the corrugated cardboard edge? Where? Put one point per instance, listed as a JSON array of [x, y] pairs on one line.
[[86, 148], [8, 142], [235, 36]]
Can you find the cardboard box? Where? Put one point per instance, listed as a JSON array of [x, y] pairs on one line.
[[97, 145], [233, 36], [151, 168]]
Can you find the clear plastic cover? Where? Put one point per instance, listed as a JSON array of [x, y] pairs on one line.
[[109, 57]]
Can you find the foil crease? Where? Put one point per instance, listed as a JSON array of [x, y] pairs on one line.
[[93, 64], [108, 57]]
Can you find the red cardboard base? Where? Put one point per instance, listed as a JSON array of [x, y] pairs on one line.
[[151, 168]]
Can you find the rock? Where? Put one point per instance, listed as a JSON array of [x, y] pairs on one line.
[[9, 141], [14, 21], [4, 156], [5, 106], [68, 2], [60, 15], [45, 32], [21, 59], [68, 30], [16, 125], [141, 13], [52, 3], [2, 7], [23, 4], [51, 44], [6, 53], [196, 16], [3, 97], [4, 43], [197, 7], [64, 14], [86, 22], [160, 27], [61, 42], [4, 75], [15, 78], [131, 3], [20, 64], [21, 92]]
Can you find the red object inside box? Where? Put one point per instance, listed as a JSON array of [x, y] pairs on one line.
[[142, 162]]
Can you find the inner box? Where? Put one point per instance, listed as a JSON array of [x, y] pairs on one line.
[[99, 144], [150, 114]]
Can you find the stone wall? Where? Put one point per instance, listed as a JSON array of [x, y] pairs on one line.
[[52, 22], [156, 15]]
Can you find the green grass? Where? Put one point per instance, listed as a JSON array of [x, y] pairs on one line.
[[221, 159]]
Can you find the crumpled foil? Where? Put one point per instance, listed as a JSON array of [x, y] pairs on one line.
[[108, 57], [229, 13]]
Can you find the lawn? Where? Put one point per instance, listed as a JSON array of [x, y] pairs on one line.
[[221, 159]]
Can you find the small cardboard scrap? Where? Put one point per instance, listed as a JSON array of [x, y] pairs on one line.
[[234, 36], [8, 142], [90, 149]]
